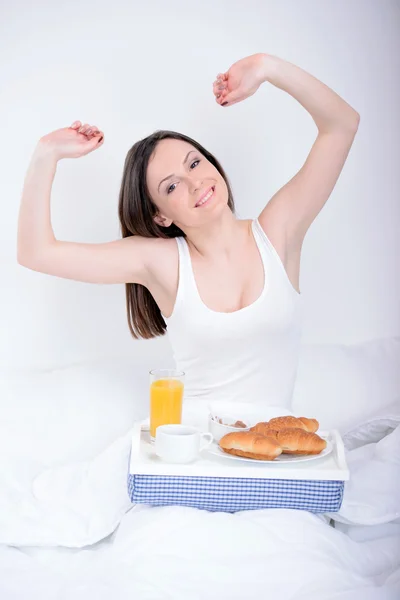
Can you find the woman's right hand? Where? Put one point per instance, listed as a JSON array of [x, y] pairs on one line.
[[72, 142]]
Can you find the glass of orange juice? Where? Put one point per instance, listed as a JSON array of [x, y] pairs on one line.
[[166, 395]]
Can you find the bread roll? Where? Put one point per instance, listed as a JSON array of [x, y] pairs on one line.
[[311, 425], [298, 441], [264, 429], [250, 445], [277, 423]]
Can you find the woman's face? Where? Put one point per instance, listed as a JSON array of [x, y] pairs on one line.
[[178, 176]]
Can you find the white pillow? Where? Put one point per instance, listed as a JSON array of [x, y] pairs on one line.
[[375, 428], [342, 385], [70, 413], [372, 494]]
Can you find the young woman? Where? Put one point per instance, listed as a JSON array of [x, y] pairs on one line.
[[227, 290]]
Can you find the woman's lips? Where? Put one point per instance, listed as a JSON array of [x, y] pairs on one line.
[[202, 202]]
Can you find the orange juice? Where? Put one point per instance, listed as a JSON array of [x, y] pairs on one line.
[[165, 403]]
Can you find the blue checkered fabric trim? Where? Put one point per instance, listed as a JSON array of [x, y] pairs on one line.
[[228, 494]]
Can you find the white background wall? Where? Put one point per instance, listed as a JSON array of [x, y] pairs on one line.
[[133, 67]]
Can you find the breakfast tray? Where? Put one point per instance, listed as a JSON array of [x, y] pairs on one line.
[[216, 483]]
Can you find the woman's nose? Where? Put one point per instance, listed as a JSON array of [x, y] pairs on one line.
[[196, 183]]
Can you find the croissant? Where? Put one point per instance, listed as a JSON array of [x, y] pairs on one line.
[[250, 445], [263, 429], [297, 441], [277, 423]]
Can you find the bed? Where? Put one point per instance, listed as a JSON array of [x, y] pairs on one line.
[[69, 531]]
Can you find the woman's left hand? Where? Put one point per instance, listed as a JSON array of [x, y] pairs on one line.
[[241, 81]]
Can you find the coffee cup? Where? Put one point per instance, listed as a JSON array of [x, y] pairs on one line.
[[180, 443]]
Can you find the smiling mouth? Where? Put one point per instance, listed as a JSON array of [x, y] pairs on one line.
[[206, 199]]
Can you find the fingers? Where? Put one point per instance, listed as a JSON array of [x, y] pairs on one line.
[[84, 128], [219, 89], [95, 133], [95, 141], [98, 137], [220, 95], [89, 131]]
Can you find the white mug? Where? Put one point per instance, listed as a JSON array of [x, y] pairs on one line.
[[180, 443]]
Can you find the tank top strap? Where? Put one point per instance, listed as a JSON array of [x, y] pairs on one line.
[[187, 287], [263, 239], [273, 256]]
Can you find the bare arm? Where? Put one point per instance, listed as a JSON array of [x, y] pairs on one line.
[[297, 203], [120, 261]]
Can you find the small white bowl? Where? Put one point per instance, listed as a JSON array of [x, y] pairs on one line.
[[218, 430], [249, 413]]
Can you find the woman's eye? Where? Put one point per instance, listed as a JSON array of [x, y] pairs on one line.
[[168, 190]]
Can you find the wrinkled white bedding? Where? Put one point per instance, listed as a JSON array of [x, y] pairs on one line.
[[116, 550], [203, 555]]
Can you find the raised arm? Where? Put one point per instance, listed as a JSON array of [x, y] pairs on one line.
[[121, 261], [294, 207], [299, 201]]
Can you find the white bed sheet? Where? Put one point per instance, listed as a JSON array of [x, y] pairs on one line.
[[182, 553], [290, 553]]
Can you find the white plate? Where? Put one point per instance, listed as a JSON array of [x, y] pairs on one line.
[[282, 458]]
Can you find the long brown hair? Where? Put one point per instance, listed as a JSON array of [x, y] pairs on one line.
[[136, 211]]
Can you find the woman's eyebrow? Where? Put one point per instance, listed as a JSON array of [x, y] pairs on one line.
[[173, 174]]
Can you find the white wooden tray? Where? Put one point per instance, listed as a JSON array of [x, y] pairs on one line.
[[144, 461]]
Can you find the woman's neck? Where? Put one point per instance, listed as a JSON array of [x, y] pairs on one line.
[[219, 238]]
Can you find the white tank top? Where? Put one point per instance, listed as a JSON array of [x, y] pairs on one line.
[[250, 355]]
